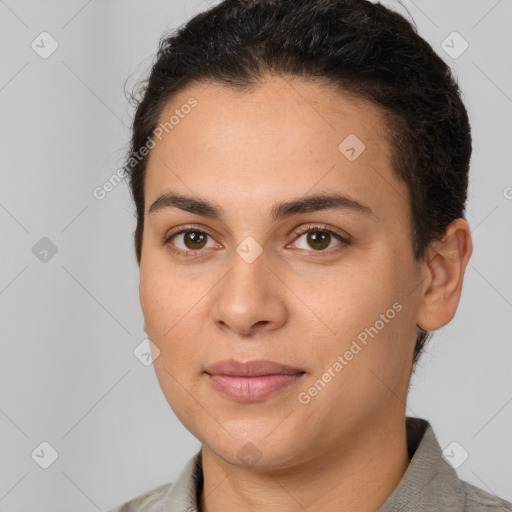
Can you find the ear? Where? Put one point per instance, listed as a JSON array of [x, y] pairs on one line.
[[444, 265]]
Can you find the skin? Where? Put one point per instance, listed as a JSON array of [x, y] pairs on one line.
[[294, 304]]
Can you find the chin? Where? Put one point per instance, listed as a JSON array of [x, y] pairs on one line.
[[256, 451]]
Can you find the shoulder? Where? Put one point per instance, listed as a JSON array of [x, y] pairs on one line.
[[181, 494], [150, 501], [477, 500]]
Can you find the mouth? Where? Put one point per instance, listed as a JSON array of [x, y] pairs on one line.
[[252, 381]]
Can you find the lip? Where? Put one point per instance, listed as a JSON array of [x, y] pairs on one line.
[[251, 368], [251, 381]]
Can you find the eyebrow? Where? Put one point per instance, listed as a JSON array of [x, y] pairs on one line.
[[279, 211]]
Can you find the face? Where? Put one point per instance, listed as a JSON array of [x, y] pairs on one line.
[[327, 288]]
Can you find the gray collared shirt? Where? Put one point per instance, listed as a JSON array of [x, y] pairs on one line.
[[429, 484]]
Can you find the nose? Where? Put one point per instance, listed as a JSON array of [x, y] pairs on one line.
[[250, 298]]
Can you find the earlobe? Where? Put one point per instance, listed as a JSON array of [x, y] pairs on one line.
[[445, 264]]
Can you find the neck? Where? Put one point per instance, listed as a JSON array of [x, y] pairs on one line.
[[360, 477]]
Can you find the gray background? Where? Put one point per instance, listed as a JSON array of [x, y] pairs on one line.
[[68, 375]]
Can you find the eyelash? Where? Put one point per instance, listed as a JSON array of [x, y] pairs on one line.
[[310, 228]]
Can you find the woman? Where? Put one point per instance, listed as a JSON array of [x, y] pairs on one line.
[[299, 170]]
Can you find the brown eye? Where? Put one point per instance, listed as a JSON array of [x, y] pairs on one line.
[[318, 240], [189, 242], [194, 239]]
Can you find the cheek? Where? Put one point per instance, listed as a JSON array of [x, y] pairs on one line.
[[171, 309], [153, 299], [370, 316], [355, 298], [164, 304], [164, 299]]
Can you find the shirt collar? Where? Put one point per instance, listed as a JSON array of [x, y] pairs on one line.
[[427, 480]]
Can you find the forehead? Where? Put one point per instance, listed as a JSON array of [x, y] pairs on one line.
[[282, 136]]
